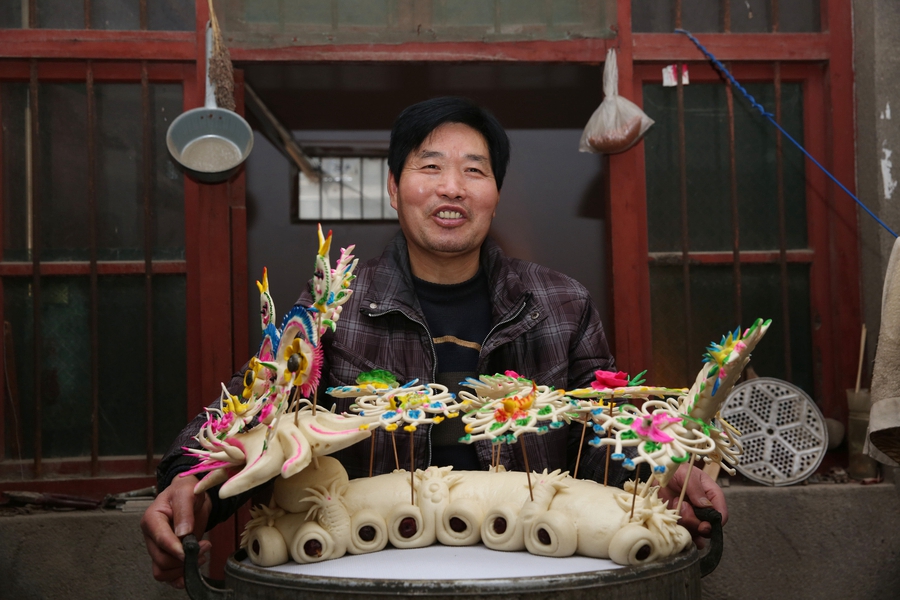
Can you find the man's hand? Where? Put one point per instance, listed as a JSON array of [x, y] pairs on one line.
[[702, 492], [176, 512]]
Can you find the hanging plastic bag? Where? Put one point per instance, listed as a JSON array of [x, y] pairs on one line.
[[618, 123]]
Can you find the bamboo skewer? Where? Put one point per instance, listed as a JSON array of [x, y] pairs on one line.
[[527, 471], [372, 454], [685, 485], [862, 352], [637, 478], [412, 467], [580, 446], [396, 457]]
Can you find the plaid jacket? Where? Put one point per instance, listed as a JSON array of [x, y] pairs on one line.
[[544, 326]]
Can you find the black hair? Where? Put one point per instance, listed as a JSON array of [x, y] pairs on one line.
[[417, 122]]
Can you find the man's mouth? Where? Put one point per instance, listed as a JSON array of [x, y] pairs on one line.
[[449, 214]]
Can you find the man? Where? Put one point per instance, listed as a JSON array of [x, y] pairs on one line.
[[442, 303]]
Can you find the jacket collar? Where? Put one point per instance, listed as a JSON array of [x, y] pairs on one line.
[[391, 287]]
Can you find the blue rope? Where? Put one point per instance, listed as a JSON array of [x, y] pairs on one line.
[[734, 83]]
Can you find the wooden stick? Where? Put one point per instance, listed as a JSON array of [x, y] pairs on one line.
[[608, 446], [685, 484], [315, 460], [580, 446], [862, 352], [396, 457], [412, 467], [527, 471], [637, 478], [372, 454]]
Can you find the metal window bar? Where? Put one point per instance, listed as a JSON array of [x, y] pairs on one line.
[[94, 295], [735, 228], [782, 229], [147, 151], [34, 126]]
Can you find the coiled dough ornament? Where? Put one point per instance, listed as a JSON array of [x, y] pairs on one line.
[[567, 516]]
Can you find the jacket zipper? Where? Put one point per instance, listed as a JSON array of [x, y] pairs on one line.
[[511, 318], [433, 361]]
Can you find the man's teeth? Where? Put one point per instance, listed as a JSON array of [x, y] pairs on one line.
[[449, 214]]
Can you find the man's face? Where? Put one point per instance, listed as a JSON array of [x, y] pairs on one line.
[[447, 195]]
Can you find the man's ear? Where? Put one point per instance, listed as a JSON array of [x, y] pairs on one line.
[[392, 189]]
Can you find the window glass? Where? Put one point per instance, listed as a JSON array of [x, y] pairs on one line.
[[62, 190], [119, 178], [122, 356], [17, 213], [351, 188], [116, 14], [171, 15], [65, 367], [18, 314], [675, 363], [59, 14], [11, 15], [169, 359], [708, 16], [167, 187], [707, 159]]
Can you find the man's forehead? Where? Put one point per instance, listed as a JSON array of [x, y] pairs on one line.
[[426, 148]]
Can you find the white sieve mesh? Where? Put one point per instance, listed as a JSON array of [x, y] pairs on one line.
[[782, 431]]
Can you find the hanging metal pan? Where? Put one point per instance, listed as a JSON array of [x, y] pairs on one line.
[[209, 142]]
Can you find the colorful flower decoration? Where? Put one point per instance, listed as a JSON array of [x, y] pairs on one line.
[[368, 383], [524, 407], [668, 431], [409, 405]]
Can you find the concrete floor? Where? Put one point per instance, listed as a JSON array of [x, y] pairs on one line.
[[819, 541]]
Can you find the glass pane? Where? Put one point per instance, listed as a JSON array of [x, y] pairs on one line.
[[65, 366], [757, 171], [18, 313], [167, 187], [712, 315], [120, 209], [59, 14], [747, 16], [331, 188], [373, 189], [62, 189], [707, 159], [169, 358], [116, 14], [670, 366], [751, 16], [14, 118], [310, 195], [122, 356], [11, 15], [171, 15], [799, 16], [351, 192], [761, 296]]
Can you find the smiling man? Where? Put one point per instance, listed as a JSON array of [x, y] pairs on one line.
[[442, 303]]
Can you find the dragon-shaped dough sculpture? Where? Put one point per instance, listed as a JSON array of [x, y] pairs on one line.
[[272, 428], [316, 513]]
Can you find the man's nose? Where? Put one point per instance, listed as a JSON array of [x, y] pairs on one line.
[[452, 184]]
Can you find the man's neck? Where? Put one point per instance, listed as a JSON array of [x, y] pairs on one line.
[[444, 270]]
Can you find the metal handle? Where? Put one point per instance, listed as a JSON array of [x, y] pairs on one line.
[[197, 586], [710, 558]]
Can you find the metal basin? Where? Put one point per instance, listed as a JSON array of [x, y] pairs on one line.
[[209, 142], [675, 578]]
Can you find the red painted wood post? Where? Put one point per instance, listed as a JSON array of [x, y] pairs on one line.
[[627, 223]]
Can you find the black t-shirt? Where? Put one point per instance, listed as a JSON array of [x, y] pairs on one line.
[[459, 320]]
